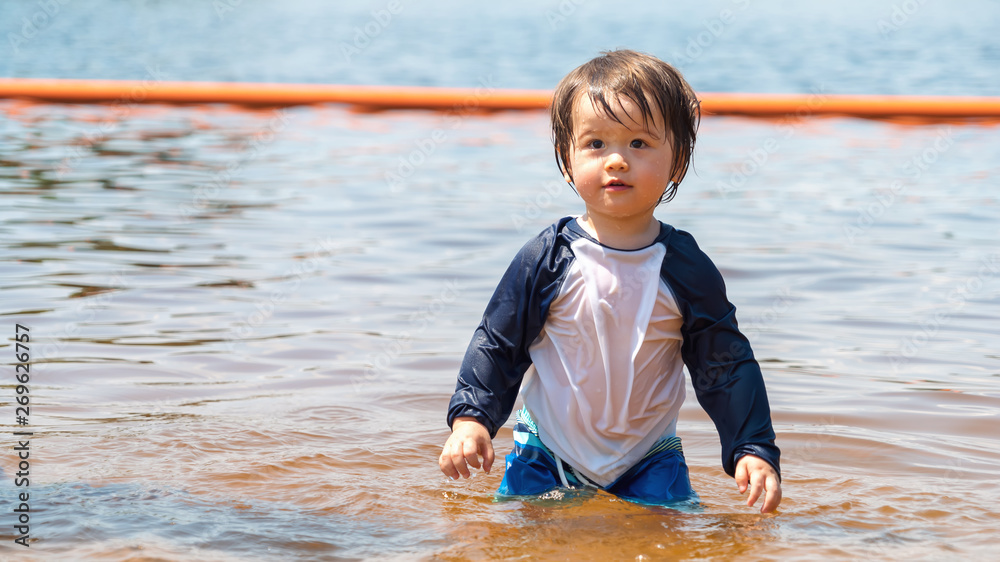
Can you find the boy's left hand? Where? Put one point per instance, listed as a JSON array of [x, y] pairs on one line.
[[755, 474]]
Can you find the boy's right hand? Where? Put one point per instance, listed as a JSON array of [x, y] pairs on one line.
[[469, 440]]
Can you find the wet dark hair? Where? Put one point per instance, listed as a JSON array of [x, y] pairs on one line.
[[645, 80]]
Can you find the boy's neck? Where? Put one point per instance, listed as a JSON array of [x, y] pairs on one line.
[[622, 234]]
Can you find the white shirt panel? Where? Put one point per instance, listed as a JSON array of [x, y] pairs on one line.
[[606, 380]]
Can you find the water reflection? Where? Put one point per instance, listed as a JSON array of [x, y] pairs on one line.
[[247, 352]]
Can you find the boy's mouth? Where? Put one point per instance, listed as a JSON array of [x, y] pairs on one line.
[[615, 185]]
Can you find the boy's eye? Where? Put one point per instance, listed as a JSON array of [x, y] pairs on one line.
[[596, 144], [637, 144]]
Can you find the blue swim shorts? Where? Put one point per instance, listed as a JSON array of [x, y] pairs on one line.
[[660, 478]]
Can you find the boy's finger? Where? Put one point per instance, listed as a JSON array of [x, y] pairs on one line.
[[488, 458], [457, 460], [773, 497], [741, 476], [446, 467], [756, 487], [449, 466], [471, 453]]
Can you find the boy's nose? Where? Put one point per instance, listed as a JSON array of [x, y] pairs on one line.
[[615, 161]]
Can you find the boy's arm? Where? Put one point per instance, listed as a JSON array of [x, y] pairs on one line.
[[730, 387], [497, 356], [726, 377]]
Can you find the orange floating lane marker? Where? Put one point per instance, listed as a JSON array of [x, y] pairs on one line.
[[378, 97], [870, 106], [470, 99]]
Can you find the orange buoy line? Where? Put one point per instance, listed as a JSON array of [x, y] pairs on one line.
[[418, 97], [870, 106], [374, 97]]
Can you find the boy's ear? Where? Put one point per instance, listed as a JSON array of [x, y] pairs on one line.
[[567, 172], [678, 174]]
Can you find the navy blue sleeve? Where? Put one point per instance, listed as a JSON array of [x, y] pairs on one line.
[[497, 356], [726, 377]]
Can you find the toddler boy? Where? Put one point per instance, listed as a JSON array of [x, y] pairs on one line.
[[597, 315]]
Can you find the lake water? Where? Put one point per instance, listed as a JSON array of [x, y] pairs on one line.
[[245, 336]]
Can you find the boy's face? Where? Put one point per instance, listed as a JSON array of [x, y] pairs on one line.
[[620, 172]]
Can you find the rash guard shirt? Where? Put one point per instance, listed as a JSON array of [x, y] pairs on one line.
[[599, 338]]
